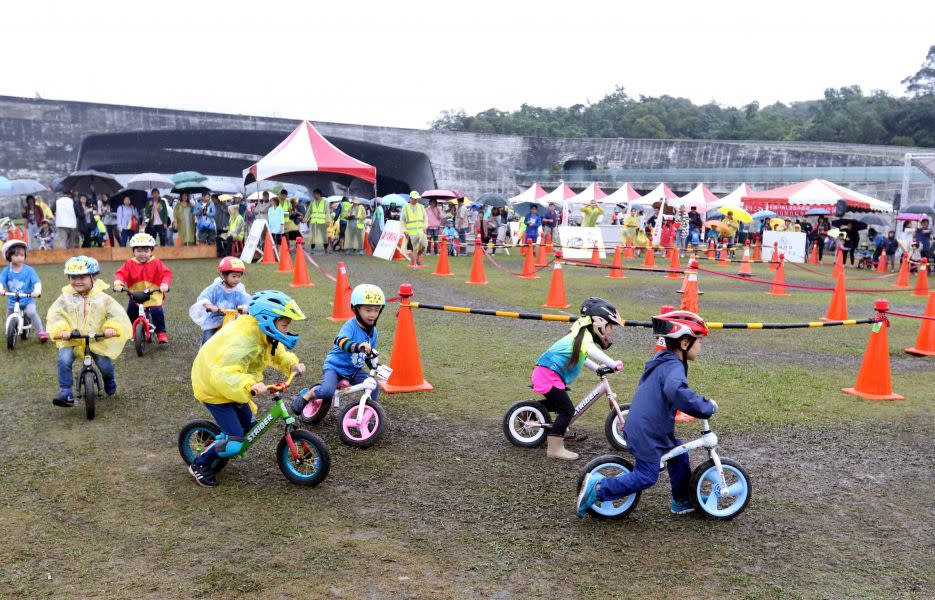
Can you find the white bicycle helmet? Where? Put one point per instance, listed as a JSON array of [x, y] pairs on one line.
[[142, 240], [9, 245]]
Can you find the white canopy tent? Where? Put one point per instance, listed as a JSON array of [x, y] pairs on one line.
[[733, 199]]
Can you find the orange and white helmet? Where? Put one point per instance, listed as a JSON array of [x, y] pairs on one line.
[[231, 264]]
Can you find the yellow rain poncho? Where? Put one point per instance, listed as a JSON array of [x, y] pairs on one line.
[[95, 312], [233, 360]]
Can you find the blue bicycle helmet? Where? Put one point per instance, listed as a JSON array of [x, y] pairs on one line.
[[82, 265], [267, 306]]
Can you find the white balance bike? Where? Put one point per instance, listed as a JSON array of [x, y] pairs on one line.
[[720, 488], [18, 325]]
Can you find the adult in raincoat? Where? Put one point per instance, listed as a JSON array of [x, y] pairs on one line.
[[183, 220], [83, 306]]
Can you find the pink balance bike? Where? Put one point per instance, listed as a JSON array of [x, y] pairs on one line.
[[360, 424]]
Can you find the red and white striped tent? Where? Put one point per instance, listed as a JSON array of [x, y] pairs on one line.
[[531, 194], [795, 199], [307, 151], [659, 192], [623, 196], [592, 192], [733, 199]]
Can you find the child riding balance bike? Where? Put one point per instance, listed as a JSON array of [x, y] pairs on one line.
[[148, 275], [719, 487], [20, 283]]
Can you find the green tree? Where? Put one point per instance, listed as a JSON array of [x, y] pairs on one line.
[[923, 82]]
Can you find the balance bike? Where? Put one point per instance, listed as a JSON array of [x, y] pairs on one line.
[[527, 422], [89, 380], [720, 488], [18, 325], [360, 424], [143, 329], [303, 457]]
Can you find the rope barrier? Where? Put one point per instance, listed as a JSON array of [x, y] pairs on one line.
[[813, 271], [317, 266], [910, 316], [580, 263], [798, 287], [643, 324]]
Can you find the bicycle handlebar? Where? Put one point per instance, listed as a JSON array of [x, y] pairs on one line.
[[603, 371], [77, 335], [279, 387], [18, 295]]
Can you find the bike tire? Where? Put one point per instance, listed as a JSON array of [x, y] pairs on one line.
[[610, 465], [704, 485], [363, 438], [312, 466], [532, 410], [611, 430], [89, 393], [195, 437], [11, 335], [139, 339], [323, 407]]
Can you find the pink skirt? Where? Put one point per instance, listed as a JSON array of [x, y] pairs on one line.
[[544, 379]]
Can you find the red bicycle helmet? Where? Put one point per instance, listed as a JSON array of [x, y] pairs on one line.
[[231, 264], [679, 323]]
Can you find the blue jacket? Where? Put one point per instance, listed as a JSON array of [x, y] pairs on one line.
[[340, 359], [663, 389]]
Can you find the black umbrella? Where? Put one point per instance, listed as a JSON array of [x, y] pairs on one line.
[[138, 198], [839, 222], [82, 181], [191, 187], [492, 199], [872, 219], [918, 209]]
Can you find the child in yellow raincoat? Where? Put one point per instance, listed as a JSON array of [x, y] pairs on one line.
[[84, 307], [230, 365]]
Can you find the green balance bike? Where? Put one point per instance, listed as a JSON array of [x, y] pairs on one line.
[[302, 456]]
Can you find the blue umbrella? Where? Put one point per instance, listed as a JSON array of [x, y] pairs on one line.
[[763, 214], [714, 213], [21, 187], [187, 176], [6, 187], [816, 212], [394, 200]]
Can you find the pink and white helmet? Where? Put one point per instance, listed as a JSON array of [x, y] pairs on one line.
[[679, 323]]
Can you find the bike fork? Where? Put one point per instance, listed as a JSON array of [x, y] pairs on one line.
[[720, 472]]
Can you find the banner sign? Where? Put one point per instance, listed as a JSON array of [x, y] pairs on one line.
[[389, 240], [253, 240], [791, 244], [578, 242]]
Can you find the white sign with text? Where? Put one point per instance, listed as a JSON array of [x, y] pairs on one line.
[[790, 243], [578, 242], [389, 240], [252, 242]]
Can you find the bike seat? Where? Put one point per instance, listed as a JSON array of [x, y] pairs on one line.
[[343, 384]]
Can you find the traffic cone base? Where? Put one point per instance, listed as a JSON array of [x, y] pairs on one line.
[[925, 342]]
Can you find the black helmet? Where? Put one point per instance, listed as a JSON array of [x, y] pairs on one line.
[[602, 314]]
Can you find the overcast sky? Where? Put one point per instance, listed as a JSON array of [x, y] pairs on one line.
[[401, 63]]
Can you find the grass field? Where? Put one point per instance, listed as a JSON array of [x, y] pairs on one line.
[[444, 506]]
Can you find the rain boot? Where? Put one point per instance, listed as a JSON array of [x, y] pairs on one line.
[[556, 449]]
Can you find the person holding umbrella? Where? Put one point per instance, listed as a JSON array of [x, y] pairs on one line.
[[156, 216]]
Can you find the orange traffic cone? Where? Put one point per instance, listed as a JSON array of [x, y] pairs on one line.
[[178, 240], [529, 267], [342, 297], [813, 255], [368, 249], [300, 273], [690, 295], [774, 259], [407, 367], [595, 255], [442, 269], [881, 264], [477, 267], [269, 251], [398, 255], [616, 272], [549, 250], [722, 258], [925, 343], [745, 270], [758, 251], [902, 280], [839, 264], [285, 259], [711, 249], [837, 310], [541, 260], [674, 264], [874, 381], [556, 297], [650, 260], [628, 250], [922, 280], [779, 280]]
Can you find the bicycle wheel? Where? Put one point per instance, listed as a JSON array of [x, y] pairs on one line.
[[139, 339], [362, 431], [11, 335], [610, 465], [315, 410], [706, 489], [195, 438], [89, 393], [613, 428], [311, 465], [525, 424]]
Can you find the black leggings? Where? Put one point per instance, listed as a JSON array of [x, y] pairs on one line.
[[557, 401], [848, 252]]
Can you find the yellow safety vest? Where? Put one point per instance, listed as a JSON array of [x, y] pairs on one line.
[[361, 215], [318, 212], [414, 218], [345, 210]]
